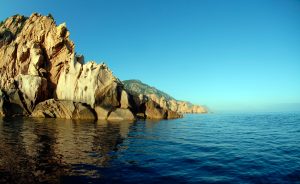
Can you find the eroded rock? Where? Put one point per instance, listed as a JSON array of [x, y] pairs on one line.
[[63, 109]]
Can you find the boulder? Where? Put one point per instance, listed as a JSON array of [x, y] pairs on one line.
[[63, 109], [102, 113], [83, 111], [173, 115], [121, 115], [154, 111]]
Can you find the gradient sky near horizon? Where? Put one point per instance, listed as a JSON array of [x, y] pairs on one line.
[[228, 55]]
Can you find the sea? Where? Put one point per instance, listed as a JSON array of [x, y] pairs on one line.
[[202, 148]]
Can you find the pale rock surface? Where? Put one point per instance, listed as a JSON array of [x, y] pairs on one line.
[[89, 83], [121, 115], [125, 100], [102, 113], [33, 89], [38, 46]]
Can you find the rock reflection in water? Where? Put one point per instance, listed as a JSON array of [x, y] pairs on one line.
[[45, 150]]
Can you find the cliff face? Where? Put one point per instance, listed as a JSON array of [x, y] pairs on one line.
[[161, 98], [41, 76], [33, 46]]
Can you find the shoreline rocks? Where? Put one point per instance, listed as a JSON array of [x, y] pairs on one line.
[[42, 76], [63, 109]]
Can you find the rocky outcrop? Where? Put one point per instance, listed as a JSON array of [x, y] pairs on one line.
[[155, 111], [41, 76], [146, 108], [162, 99], [33, 46], [90, 83], [63, 109]]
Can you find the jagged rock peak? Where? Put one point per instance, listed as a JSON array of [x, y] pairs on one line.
[[34, 46]]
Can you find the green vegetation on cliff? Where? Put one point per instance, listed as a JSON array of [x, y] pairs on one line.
[[138, 87]]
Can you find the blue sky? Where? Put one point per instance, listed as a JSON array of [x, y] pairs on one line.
[[228, 55]]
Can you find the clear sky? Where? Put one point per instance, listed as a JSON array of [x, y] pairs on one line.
[[228, 55]]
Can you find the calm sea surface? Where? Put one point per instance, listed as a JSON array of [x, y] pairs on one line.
[[211, 148]]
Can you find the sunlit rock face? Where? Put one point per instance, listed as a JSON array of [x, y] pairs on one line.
[[33, 46], [88, 83], [33, 52], [41, 76]]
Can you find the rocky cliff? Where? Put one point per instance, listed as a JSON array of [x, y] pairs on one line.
[[41, 76], [164, 100]]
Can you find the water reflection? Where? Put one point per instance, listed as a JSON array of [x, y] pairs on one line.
[[44, 150]]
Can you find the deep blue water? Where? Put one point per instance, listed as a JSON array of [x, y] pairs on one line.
[[211, 148]]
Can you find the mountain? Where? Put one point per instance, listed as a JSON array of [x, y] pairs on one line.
[[42, 76], [163, 99]]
